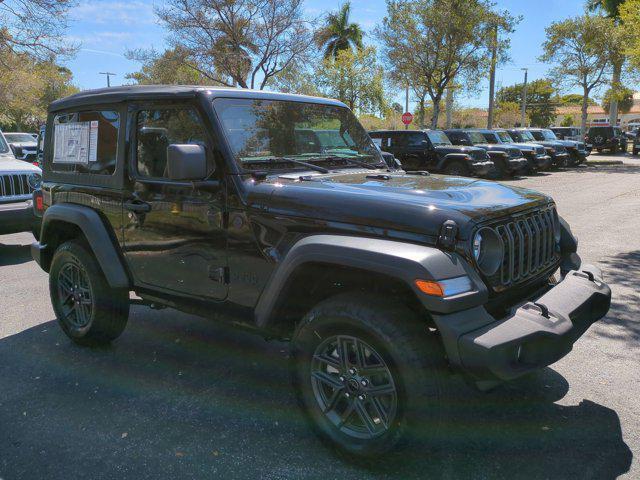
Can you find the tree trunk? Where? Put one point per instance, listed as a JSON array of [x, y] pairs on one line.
[[436, 112], [585, 107], [615, 84], [421, 111]]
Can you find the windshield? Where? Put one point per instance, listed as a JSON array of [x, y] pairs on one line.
[[476, 137], [549, 135], [504, 137], [19, 138], [526, 136], [4, 148], [438, 137], [491, 137], [260, 131]]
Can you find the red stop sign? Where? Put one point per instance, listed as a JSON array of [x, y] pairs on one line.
[[407, 118]]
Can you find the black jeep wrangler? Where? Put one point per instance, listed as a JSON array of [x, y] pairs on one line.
[[508, 160], [199, 199], [432, 150], [607, 138], [554, 148], [535, 154]]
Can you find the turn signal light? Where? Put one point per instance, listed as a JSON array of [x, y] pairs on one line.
[[430, 288]]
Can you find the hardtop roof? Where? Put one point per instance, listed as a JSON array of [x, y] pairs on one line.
[[168, 92]]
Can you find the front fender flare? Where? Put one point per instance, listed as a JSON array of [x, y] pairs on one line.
[[452, 156], [404, 261]]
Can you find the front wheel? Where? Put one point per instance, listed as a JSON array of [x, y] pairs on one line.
[[367, 373], [89, 311]]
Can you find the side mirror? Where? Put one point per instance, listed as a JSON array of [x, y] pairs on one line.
[[186, 162]]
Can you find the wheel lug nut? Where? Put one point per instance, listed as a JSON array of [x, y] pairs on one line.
[[361, 397], [347, 394], [352, 371], [341, 378], [364, 383]]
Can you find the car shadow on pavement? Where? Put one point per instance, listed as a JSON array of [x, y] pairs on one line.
[[14, 254], [179, 397], [623, 270]]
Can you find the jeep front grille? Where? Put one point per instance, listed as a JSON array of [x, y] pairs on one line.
[[529, 247], [14, 186]]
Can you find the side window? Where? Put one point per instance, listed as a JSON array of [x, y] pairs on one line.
[[86, 142], [415, 139], [454, 137], [398, 140], [159, 128]]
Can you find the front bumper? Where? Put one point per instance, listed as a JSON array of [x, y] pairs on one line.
[[481, 168], [517, 165], [543, 162], [533, 336], [17, 217]]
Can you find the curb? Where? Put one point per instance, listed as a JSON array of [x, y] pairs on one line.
[[605, 162]]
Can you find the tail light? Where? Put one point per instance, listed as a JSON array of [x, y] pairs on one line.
[[38, 203]]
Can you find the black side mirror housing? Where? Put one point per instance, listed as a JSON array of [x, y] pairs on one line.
[[186, 162]]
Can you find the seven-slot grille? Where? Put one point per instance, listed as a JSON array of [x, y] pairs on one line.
[[529, 247], [14, 185]]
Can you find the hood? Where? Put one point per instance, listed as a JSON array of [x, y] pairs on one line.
[[572, 144], [457, 149], [390, 201], [9, 164], [24, 144]]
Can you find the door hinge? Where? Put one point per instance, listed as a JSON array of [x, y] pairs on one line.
[[219, 274]]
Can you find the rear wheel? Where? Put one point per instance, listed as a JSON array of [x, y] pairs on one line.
[[367, 373], [457, 168], [89, 311]]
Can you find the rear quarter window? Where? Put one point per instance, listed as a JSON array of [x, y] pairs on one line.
[[85, 142]]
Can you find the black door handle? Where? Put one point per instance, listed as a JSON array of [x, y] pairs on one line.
[[137, 206]]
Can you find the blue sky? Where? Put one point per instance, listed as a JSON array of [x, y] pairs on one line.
[[106, 29]]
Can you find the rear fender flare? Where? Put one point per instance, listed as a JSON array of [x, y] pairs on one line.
[[97, 235]]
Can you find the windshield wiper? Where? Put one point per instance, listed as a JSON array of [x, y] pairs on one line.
[[354, 161], [310, 166]]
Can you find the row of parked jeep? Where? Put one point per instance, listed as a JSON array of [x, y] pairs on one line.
[[496, 153]]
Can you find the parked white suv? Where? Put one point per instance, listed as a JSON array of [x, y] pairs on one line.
[[18, 180]]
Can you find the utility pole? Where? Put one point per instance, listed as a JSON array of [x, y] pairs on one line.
[[406, 104], [108, 75], [523, 113], [492, 77]]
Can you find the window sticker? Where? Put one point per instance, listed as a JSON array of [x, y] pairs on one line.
[[93, 142], [72, 143]]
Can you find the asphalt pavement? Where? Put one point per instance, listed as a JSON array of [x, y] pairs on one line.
[[179, 397]]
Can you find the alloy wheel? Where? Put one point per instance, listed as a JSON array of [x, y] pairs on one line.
[[354, 387], [74, 295]]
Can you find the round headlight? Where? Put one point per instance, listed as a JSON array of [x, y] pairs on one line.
[[34, 180], [488, 250]]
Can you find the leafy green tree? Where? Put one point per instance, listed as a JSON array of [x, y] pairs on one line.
[[429, 43], [295, 79], [356, 79], [630, 19], [171, 67], [27, 88], [624, 97], [574, 99], [338, 33], [611, 8], [238, 42], [580, 48], [541, 100], [567, 121]]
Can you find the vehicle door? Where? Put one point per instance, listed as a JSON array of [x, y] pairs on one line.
[[415, 146], [175, 238]]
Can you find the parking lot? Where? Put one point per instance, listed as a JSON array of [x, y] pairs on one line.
[[177, 397]]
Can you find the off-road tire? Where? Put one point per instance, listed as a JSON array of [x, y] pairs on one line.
[[108, 308], [457, 168], [414, 357]]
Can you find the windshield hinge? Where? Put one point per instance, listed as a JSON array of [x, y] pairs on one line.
[[448, 234]]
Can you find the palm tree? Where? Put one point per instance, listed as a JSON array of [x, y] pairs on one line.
[[338, 34]]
